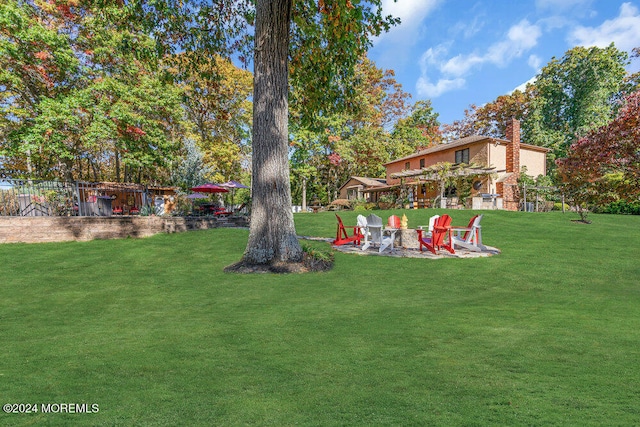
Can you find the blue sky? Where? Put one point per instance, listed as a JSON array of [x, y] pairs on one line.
[[462, 52]]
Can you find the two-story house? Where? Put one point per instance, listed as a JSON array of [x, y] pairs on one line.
[[502, 161]]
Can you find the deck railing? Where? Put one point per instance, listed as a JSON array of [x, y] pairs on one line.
[[29, 197]]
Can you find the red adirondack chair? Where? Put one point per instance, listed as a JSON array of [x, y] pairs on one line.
[[342, 237], [436, 241], [394, 221]]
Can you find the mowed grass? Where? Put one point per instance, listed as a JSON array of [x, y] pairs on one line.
[[152, 330]]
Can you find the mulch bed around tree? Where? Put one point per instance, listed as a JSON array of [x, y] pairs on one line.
[[308, 264]]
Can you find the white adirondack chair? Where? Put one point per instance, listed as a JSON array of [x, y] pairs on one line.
[[374, 234], [361, 221], [469, 237], [429, 231]]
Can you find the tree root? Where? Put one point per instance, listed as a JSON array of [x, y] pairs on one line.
[[309, 264]]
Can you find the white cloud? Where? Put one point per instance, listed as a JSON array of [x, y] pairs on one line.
[[468, 30], [432, 58], [409, 11], [520, 38], [396, 50], [523, 86], [431, 90], [623, 30], [460, 65], [534, 62], [411, 14]]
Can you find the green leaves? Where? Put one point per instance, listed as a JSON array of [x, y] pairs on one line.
[[576, 94], [604, 166], [327, 41]]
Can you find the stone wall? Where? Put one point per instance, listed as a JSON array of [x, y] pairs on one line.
[[59, 229]]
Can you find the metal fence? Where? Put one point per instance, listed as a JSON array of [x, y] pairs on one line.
[[540, 198], [58, 198]]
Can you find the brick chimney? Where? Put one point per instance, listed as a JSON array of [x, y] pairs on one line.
[[513, 149], [508, 188]]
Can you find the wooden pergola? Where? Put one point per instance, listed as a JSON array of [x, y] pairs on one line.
[[443, 172]]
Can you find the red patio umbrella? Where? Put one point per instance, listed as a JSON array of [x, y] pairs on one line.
[[209, 188]]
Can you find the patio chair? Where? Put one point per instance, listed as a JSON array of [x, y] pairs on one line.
[[362, 223], [343, 237], [472, 237], [374, 233], [429, 231], [436, 241]]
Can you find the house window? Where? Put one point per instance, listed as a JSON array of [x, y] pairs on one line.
[[407, 166], [462, 156], [421, 163]]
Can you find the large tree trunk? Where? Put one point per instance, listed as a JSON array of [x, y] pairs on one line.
[[272, 235]]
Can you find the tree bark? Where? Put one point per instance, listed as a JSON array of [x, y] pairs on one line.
[[117, 156], [304, 194], [272, 235]]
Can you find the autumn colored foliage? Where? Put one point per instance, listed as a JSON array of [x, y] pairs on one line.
[[604, 166]]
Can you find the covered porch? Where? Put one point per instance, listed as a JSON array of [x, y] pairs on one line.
[[446, 185]]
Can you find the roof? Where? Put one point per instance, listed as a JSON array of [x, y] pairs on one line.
[[503, 176], [442, 147], [367, 182], [473, 139], [535, 147], [381, 189], [371, 182], [124, 186]]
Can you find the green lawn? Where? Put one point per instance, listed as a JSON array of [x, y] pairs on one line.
[[151, 330]]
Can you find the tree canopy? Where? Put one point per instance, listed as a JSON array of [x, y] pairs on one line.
[[86, 93], [574, 95], [604, 165]]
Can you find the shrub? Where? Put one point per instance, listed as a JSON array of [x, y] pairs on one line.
[[149, 210], [317, 259], [339, 204], [364, 207], [621, 207]]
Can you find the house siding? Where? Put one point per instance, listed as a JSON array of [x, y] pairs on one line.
[[507, 156], [478, 153], [535, 161], [497, 156]]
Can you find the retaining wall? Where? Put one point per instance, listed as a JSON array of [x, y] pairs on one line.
[[59, 229]]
